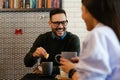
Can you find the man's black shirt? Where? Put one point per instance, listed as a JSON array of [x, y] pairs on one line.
[[53, 46]]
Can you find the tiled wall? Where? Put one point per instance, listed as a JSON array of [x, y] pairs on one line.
[[76, 24], [18, 30]]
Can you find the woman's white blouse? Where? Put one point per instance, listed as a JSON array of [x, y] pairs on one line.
[[100, 55]]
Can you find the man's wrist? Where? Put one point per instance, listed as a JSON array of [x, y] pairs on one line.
[[71, 72]]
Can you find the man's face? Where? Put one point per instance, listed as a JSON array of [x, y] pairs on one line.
[[58, 24]]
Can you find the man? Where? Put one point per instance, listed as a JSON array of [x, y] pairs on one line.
[[53, 42]]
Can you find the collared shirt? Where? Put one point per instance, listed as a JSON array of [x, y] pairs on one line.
[[100, 56], [58, 38]]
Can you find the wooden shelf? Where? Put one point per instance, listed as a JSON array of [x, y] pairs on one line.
[[29, 9], [26, 10]]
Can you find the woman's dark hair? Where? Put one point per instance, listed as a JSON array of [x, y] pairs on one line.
[[105, 11], [57, 11]]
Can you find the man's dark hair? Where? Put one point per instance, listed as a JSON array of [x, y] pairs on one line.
[[57, 11]]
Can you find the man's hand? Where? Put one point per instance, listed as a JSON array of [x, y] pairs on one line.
[[40, 51], [37, 70]]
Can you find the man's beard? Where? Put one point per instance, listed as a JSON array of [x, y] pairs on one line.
[[58, 30]]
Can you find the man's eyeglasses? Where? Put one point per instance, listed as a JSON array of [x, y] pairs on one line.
[[57, 23]]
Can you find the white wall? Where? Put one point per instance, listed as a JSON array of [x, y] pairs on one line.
[[76, 24]]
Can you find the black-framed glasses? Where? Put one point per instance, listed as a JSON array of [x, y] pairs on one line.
[[57, 23]]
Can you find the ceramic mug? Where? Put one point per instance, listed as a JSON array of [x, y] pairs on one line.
[[63, 74], [47, 68], [67, 55]]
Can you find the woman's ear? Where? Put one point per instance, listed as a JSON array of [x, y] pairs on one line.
[[49, 22]]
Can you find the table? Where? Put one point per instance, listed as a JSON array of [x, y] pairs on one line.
[[64, 79], [58, 77], [32, 76]]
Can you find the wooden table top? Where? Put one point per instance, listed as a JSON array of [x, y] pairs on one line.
[[62, 78]]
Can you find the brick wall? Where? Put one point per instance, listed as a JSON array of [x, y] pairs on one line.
[[76, 24]]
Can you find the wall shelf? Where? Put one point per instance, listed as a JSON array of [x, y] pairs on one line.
[[44, 9], [26, 10]]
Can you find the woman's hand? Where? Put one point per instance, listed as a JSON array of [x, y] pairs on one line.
[[66, 65], [75, 60]]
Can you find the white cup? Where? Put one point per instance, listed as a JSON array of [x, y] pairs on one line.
[[63, 74]]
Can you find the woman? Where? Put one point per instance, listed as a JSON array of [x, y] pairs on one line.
[[100, 56]]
